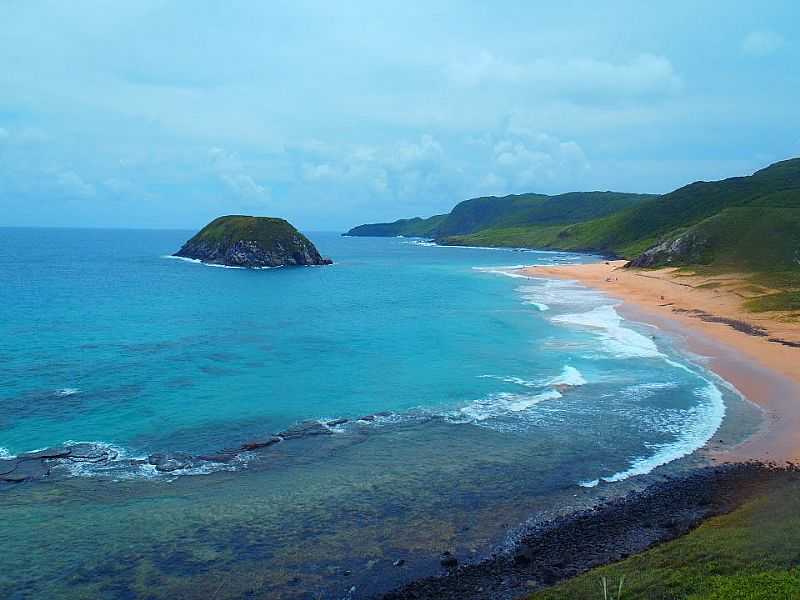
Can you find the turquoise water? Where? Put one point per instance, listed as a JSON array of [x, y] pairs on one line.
[[507, 397]]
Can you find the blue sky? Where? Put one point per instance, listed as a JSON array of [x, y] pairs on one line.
[[167, 114]]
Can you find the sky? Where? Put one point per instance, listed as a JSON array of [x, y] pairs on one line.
[[167, 114]]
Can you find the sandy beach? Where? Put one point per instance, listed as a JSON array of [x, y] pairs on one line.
[[752, 351]]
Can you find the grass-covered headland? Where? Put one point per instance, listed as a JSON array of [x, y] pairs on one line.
[[751, 553], [718, 533], [747, 224]]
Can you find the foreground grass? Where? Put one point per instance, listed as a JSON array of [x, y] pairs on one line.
[[752, 553]]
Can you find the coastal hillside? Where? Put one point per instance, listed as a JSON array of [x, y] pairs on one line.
[[744, 221], [244, 241], [519, 210], [750, 223], [416, 227]]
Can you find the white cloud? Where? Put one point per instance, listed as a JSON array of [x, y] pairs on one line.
[[246, 187], [232, 171], [73, 185], [647, 74], [321, 171], [402, 166], [762, 43], [536, 159]]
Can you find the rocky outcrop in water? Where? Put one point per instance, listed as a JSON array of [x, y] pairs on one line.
[[255, 242]]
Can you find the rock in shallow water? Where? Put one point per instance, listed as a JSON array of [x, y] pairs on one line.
[[256, 444], [27, 470], [93, 453], [58, 452], [448, 560], [166, 462], [6, 466], [223, 457], [305, 429]]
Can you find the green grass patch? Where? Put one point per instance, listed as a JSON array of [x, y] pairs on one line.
[[782, 301], [752, 553]]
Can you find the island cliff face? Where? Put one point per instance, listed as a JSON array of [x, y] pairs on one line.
[[242, 241]]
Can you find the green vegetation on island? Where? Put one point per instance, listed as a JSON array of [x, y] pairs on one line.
[[243, 241]]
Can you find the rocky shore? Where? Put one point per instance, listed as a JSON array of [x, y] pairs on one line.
[[567, 546], [41, 464]]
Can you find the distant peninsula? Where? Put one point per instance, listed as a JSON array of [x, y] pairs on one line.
[[741, 224], [254, 242]]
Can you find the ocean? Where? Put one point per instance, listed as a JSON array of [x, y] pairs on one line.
[[491, 400]]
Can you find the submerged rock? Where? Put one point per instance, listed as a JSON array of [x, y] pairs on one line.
[[58, 452], [448, 560], [218, 458], [305, 429], [93, 453], [27, 470], [6, 466], [167, 462], [256, 444], [242, 241]]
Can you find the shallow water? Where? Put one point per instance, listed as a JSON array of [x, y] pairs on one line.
[[508, 398]]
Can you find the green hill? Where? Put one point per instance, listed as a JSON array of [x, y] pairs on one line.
[[523, 210], [746, 223], [774, 190], [416, 227], [749, 223]]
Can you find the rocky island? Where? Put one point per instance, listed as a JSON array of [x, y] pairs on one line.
[[255, 242]]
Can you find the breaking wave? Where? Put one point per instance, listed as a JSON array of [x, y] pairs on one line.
[[617, 340], [700, 422]]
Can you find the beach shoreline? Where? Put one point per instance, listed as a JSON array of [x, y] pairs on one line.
[[748, 351]]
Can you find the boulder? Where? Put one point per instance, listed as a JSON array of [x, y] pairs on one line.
[[305, 429], [166, 462], [260, 443], [217, 458], [27, 470], [57, 452], [448, 560], [93, 453], [6, 466]]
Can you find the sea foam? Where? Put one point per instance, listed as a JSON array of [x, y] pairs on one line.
[[617, 340], [507, 271], [501, 404], [699, 425], [67, 391], [569, 376]]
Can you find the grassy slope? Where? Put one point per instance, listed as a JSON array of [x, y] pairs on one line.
[[508, 211], [752, 553], [264, 230], [537, 210], [629, 232], [416, 227]]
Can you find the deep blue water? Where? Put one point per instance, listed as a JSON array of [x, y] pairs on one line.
[[519, 390]]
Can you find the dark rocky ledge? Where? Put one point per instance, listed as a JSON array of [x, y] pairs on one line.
[[255, 242], [548, 553], [36, 466]]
